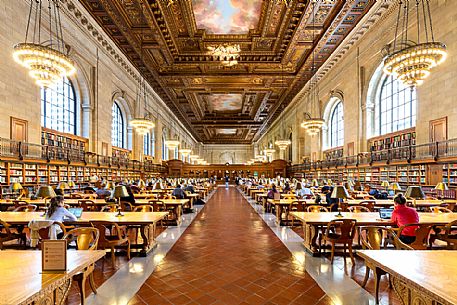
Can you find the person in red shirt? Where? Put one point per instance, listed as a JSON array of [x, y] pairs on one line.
[[403, 215]]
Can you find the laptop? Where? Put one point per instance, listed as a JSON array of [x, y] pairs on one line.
[[76, 211], [385, 213]]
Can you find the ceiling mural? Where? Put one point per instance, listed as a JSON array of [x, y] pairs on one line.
[[264, 60], [227, 16], [225, 102], [226, 131]]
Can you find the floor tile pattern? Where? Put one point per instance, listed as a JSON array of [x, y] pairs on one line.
[[229, 256]]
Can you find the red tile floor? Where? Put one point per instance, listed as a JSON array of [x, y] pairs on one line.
[[229, 256]]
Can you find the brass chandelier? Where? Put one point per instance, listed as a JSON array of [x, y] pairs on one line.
[[310, 124], [46, 60], [411, 61]]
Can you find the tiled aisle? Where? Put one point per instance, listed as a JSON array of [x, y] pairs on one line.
[[229, 256]]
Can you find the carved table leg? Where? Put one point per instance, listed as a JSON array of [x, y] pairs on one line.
[[411, 295], [310, 233]]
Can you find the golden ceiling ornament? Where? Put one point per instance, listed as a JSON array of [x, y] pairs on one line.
[[227, 54], [47, 61], [285, 2], [411, 61], [170, 2]]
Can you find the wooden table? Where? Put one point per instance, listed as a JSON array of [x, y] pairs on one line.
[[281, 206], [145, 220], [418, 277], [314, 222], [23, 283]]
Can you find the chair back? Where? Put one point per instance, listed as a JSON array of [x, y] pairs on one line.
[[158, 206], [126, 206], [299, 206], [44, 233], [143, 208], [440, 210], [107, 230], [26, 208], [374, 237], [86, 238], [422, 234], [109, 208], [358, 209], [86, 204], [342, 229], [316, 209]]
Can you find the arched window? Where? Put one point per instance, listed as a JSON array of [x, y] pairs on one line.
[[118, 127], [153, 143], [176, 153], [164, 148], [147, 144], [395, 108], [336, 132], [59, 107]]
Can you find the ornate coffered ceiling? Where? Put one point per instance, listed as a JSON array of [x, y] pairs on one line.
[[220, 104]]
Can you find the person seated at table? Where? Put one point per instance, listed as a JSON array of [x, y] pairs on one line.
[[302, 191], [271, 193], [260, 186], [178, 192], [403, 215], [190, 188], [102, 193], [331, 202], [286, 189], [57, 212]]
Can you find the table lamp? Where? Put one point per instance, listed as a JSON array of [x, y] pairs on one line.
[[339, 192], [45, 192], [329, 182], [118, 192], [385, 184], [63, 186], [71, 184], [357, 186], [348, 186], [441, 186], [141, 184], [16, 187], [395, 187], [414, 192]]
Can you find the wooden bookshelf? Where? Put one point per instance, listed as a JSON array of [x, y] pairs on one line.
[[393, 140], [121, 153], [334, 153]]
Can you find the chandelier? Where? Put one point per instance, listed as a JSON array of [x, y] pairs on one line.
[[193, 157], [142, 125], [312, 125], [227, 54], [411, 61], [172, 144], [47, 61], [282, 144], [185, 151], [269, 152]]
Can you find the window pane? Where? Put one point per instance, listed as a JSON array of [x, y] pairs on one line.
[[58, 107], [396, 107], [337, 126], [117, 128]]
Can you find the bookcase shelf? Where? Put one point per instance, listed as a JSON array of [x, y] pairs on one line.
[[393, 140]]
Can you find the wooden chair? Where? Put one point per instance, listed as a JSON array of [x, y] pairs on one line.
[[109, 208], [340, 231], [422, 235], [316, 209], [86, 238], [26, 208], [43, 233], [440, 209], [358, 209], [111, 237], [447, 234], [7, 235], [144, 208], [17, 203], [126, 206], [86, 204]]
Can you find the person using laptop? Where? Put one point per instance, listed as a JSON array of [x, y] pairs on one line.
[[58, 212], [403, 215]]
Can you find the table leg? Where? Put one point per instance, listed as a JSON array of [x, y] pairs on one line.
[[278, 208], [148, 236], [310, 234], [410, 295]]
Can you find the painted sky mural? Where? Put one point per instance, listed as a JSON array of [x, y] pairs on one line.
[[227, 16], [225, 102]]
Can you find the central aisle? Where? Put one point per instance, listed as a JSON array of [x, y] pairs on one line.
[[229, 256]]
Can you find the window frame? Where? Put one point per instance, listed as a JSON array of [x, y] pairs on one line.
[[336, 128], [120, 131]]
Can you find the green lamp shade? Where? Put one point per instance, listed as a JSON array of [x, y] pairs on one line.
[[16, 186], [63, 186], [119, 191], [141, 184], [441, 186], [45, 191], [385, 183], [339, 192], [415, 192], [348, 186], [71, 184]]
